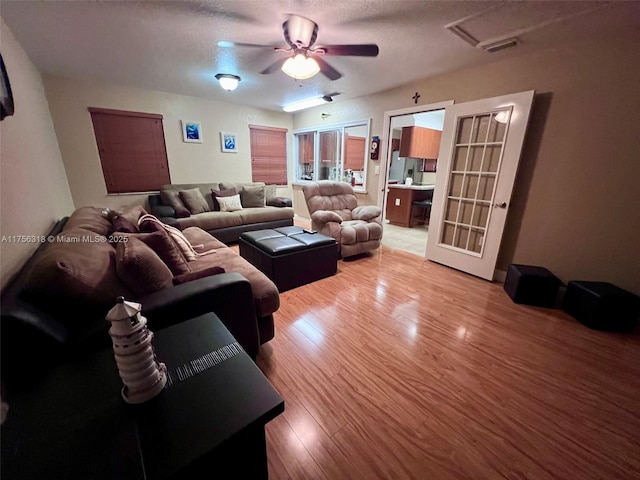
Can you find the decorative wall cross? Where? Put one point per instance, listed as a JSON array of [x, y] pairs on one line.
[[415, 98]]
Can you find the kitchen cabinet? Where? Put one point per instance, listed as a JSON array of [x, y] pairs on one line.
[[354, 148], [395, 144], [420, 142], [400, 202], [305, 148], [328, 146]]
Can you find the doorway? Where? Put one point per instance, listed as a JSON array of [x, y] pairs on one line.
[[407, 176]]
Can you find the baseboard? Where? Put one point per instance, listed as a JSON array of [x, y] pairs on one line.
[[499, 276]]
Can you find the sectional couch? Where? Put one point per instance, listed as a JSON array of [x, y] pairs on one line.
[[56, 306], [257, 213]]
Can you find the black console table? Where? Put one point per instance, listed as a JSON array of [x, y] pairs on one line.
[[208, 422]]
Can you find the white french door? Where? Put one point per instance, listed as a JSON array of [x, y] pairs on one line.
[[477, 164]]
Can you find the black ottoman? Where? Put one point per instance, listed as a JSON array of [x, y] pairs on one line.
[[601, 305], [532, 285], [289, 256]]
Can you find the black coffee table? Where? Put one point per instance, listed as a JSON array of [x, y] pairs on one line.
[[290, 256], [73, 423]]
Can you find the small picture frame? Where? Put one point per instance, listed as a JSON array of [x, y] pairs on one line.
[[191, 132], [228, 142]]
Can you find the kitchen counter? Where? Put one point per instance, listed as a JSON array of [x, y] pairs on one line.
[[415, 186], [400, 203]]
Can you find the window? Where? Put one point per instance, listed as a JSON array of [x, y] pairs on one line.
[[337, 152], [269, 155], [132, 150]]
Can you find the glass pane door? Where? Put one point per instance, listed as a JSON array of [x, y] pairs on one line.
[[478, 149]]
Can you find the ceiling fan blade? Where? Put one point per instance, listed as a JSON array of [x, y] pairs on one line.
[[274, 66], [327, 69], [364, 50], [251, 45]]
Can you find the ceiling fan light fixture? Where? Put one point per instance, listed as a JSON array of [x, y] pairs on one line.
[[307, 103], [300, 67], [227, 81]]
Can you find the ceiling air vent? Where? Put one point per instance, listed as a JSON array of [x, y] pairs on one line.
[[460, 32], [492, 47]]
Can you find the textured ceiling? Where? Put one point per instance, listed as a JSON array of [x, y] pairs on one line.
[[173, 46]]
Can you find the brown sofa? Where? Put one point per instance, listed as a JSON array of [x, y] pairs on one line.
[[58, 302], [225, 226]]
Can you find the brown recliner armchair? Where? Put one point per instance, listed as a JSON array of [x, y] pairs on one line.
[[335, 212]]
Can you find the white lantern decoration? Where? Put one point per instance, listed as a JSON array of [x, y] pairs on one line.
[[143, 376]]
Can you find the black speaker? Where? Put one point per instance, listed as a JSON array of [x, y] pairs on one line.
[[601, 305], [532, 285]]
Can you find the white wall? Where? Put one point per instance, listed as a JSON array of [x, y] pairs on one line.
[[34, 192], [576, 199], [188, 162]]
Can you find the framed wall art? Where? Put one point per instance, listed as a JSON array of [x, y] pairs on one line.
[[191, 132], [229, 142]]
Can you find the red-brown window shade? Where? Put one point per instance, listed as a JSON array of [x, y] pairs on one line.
[[132, 150], [269, 155]]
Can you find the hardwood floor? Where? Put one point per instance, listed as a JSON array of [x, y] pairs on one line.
[[397, 368]]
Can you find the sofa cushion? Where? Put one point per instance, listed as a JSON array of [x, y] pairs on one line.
[[253, 196], [205, 272], [230, 204], [194, 201], [265, 293], [201, 240], [356, 231], [91, 219], [76, 271], [140, 268], [220, 193], [211, 220], [172, 198], [264, 214]]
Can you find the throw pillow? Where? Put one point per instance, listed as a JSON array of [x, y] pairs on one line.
[[252, 196], [140, 269], [163, 245], [230, 204], [133, 214], [188, 277], [194, 200], [122, 224], [270, 191], [237, 186], [222, 193], [172, 198], [178, 237]]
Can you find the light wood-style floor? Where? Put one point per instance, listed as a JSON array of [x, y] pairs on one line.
[[397, 368]]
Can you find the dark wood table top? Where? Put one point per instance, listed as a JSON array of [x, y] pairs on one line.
[[74, 424]]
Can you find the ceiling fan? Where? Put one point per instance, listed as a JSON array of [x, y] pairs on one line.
[[305, 60]]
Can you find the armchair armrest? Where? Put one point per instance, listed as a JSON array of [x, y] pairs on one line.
[[279, 202], [325, 216], [228, 295], [162, 211], [366, 212], [159, 209]]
